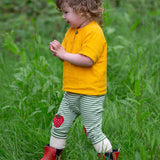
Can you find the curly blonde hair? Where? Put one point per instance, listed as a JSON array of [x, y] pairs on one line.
[[89, 8]]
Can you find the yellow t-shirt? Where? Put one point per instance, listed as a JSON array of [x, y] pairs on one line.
[[88, 41]]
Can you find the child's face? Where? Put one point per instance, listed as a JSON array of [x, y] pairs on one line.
[[73, 19]]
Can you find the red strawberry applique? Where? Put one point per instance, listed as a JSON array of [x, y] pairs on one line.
[[85, 130], [58, 120]]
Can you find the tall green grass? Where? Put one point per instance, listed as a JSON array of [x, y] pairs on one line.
[[31, 81]]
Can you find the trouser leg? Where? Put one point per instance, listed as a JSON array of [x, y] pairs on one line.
[[65, 116], [91, 108]]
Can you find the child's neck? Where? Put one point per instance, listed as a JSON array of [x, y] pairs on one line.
[[84, 23]]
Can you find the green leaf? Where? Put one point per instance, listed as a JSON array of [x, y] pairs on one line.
[[143, 153], [34, 113], [46, 86], [131, 77], [137, 88], [137, 156], [11, 45], [134, 26], [36, 88], [51, 108]]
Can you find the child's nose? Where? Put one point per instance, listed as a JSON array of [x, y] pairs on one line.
[[63, 16]]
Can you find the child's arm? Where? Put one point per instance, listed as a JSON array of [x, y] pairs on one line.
[[76, 59]]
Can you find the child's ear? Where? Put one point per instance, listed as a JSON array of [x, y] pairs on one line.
[[82, 14]]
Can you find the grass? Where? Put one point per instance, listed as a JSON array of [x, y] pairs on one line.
[[31, 81]]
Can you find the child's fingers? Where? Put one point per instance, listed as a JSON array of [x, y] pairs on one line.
[[51, 48], [55, 44], [53, 51], [51, 45], [53, 54]]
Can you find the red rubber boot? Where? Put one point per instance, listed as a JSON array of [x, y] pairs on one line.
[[51, 153], [109, 156]]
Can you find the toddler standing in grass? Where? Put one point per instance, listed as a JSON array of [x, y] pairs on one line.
[[84, 54]]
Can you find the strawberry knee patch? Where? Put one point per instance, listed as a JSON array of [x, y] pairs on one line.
[[85, 131], [58, 120]]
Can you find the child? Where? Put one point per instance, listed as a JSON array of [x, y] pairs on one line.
[[84, 53]]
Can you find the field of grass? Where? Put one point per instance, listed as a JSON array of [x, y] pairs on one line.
[[31, 80]]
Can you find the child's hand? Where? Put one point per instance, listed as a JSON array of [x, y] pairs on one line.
[[76, 59], [51, 49], [57, 49]]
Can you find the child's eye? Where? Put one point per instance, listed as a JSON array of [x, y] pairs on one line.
[[65, 11]]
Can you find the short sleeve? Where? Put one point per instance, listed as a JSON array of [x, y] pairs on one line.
[[93, 44]]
